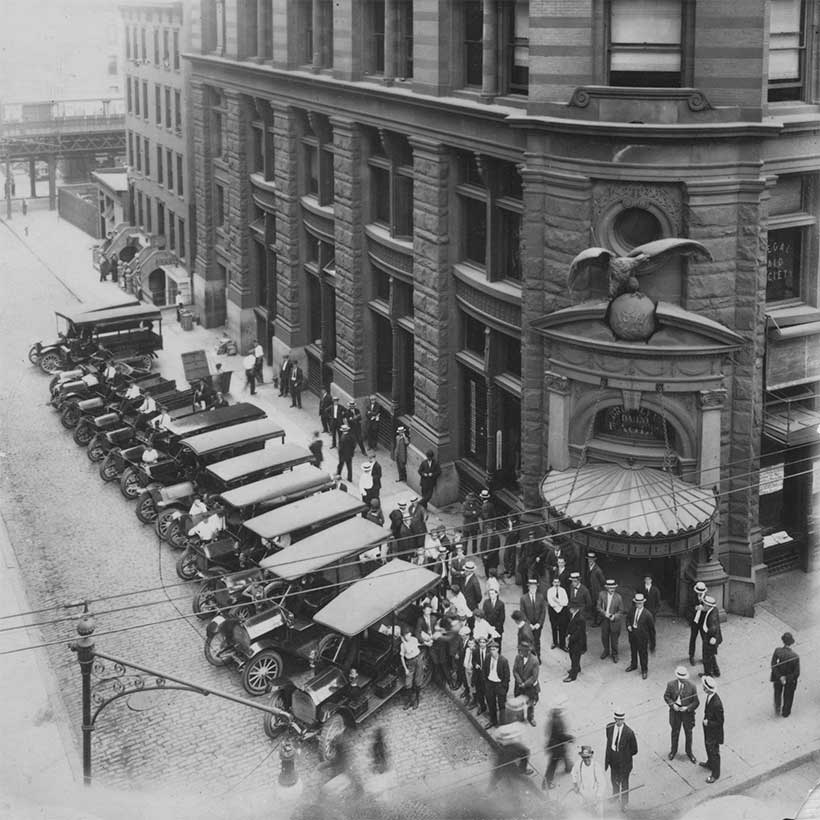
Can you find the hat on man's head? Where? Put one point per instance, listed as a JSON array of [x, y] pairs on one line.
[[335, 398], [367, 466], [575, 576], [402, 505], [709, 684], [532, 581], [787, 638], [401, 429], [682, 673], [345, 428], [485, 494], [586, 751], [639, 598], [524, 645], [592, 556], [709, 601], [700, 587], [619, 714], [469, 566], [610, 584], [493, 644], [374, 503], [442, 550], [351, 403], [483, 639]]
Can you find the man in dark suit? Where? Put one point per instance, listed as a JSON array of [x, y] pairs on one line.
[[347, 446], [480, 657], [621, 747], [490, 547], [524, 630], [335, 420], [325, 409], [681, 697], [525, 675], [712, 728], [711, 637], [611, 611], [354, 419], [495, 612], [579, 594], [595, 584], [429, 471], [496, 683], [785, 672], [472, 587], [694, 614], [641, 628], [652, 595], [534, 608], [576, 641], [284, 375]]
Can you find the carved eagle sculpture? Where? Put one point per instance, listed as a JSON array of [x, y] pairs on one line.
[[622, 272]]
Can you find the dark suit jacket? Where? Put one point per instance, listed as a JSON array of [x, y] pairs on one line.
[[525, 672], [347, 446], [785, 663], [423, 626], [645, 630], [478, 666], [580, 596], [617, 608], [495, 615], [535, 613], [325, 406], [653, 598], [620, 760], [689, 701], [710, 627], [713, 713], [472, 592], [577, 634], [595, 581], [429, 471], [525, 634], [503, 671]]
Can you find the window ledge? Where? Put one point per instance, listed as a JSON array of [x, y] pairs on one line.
[[259, 181], [310, 203], [792, 319], [383, 237], [505, 290]]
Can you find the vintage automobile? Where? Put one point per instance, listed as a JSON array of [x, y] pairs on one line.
[[217, 478], [190, 425], [186, 459], [278, 528], [244, 501], [295, 583], [63, 337], [134, 331], [358, 668]]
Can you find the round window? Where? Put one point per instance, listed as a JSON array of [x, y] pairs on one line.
[[636, 226]]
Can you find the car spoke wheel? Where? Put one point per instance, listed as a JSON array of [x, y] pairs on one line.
[[70, 416], [144, 362], [329, 737], [108, 469], [186, 565], [146, 508], [50, 362], [242, 611], [204, 603], [274, 724], [130, 485], [216, 646], [95, 450], [34, 354], [83, 433], [261, 671], [163, 522], [176, 536]]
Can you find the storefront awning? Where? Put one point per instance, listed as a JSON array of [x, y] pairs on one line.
[[629, 511], [177, 274], [792, 425]]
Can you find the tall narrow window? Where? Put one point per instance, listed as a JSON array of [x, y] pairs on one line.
[[787, 49], [180, 190], [136, 97], [178, 112], [219, 206], [129, 104], [376, 22], [159, 164], [147, 157], [128, 42], [169, 168], [176, 49], [473, 42], [158, 105], [167, 107], [166, 47], [143, 45], [514, 51], [326, 33], [172, 231], [149, 216], [156, 46], [645, 43], [181, 247], [404, 40], [145, 112]]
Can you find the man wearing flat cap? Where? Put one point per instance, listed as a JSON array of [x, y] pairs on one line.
[[621, 747], [640, 625], [785, 672], [712, 728], [681, 696], [496, 677]]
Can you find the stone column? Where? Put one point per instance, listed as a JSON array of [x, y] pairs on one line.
[[350, 370], [32, 178], [711, 409], [433, 308], [52, 183], [288, 322], [489, 63], [390, 43], [559, 416], [220, 26], [316, 11]]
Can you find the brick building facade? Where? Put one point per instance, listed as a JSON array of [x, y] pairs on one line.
[[393, 191]]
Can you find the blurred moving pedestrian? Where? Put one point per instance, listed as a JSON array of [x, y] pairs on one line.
[[315, 448], [558, 739], [297, 383], [621, 747], [512, 769], [180, 303], [611, 610], [681, 696], [259, 356], [380, 761], [712, 728], [785, 672], [641, 628], [249, 363]]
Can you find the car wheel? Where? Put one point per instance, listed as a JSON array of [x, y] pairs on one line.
[[274, 724], [83, 433], [50, 362], [426, 668], [204, 603], [328, 644], [70, 416], [329, 737], [144, 362], [163, 522], [130, 485], [146, 508], [34, 354], [176, 536], [215, 649], [186, 566], [95, 451], [242, 611], [108, 469], [261, 671]]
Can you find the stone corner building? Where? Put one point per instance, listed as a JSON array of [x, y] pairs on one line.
[[393, 190]]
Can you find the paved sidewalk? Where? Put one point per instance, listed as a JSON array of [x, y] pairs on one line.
[[757, 743]]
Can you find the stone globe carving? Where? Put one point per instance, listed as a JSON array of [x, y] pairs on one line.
[[632, 317]]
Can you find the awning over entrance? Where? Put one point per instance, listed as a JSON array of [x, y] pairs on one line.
[[177, 274], [636, 512]]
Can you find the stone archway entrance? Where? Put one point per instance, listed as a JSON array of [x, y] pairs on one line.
[[157, 286]]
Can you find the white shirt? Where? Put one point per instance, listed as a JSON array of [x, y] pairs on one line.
[[557, 598], [148, 405], [258, 352], [162, 420], [616, 736], [459, 603], [132, 392], [482, 628], [492, 673], [249, 362], [149, 455], [208, 528], [609, 597], [91, 380]]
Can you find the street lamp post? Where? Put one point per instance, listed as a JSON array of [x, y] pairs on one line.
[[84, 647]]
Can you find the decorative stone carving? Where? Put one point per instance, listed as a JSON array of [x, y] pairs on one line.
[[556, 383], [632, 317], [663, 200], [695, 99], [631, 399], [712, 398], [494, 311]]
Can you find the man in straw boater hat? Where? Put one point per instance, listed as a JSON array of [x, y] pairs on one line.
[[576, 641], [681, 696], [711, 637], [588, 781], [694, 614], [611, 610], [712, 728], [641, 628], [621, 747]]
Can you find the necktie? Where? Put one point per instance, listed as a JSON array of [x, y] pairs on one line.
[[615, 738], [608, 602], [532, 597], [637, 614]]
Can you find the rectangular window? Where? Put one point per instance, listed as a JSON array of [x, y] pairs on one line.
[[219, 206], [381, 286], [149, 217], [312, 170], [140, 211], [169, 168], [257, 158], [128, 42], [178, 112], [136, 97], [172, 231], [645, 43], [305, 12], [403, 299], [403, 205], [167, 107], [138, 152], [160, 218], [513, 63], [784, 250], [475, 417], [131, 149], [380, 195], [158, 105], [180, 189], [147, 157], [128, 100], [176, 49], [159, 164], [383, 354], [326, 175], [216, 134], [181, 248], [143, 45], [509, 245], [314, 316], [474, 216], [404, 40], [326, 34], [473, 42], [376, 21], [145, 113], [166, 47], [156, 46], [787, 49], [475, 338]]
